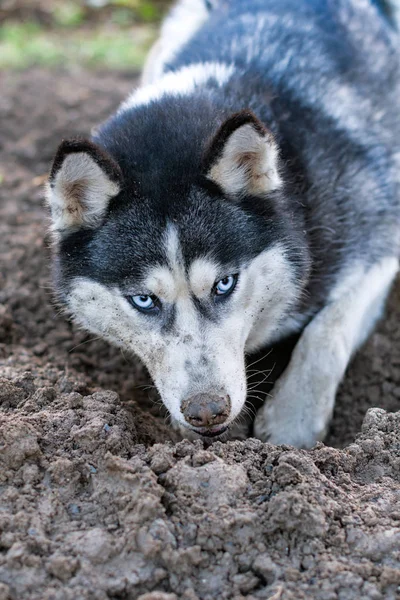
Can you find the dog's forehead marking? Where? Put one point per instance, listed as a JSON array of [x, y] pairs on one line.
[[161, 282], [173, 248], [173, 281], [203, 273], [168, 281], [175, 261]]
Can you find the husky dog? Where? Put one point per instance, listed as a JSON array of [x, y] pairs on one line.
[[247, 191]]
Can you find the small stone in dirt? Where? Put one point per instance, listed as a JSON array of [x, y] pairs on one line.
[[74, 509], [44, 396], [62, 567], [4, 591], [26, 382], [264, 566], [74, 400], [10, 394], [202, 458], [19, 441]]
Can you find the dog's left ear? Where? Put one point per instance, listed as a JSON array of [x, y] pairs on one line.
[[82, 181], [243, 158]]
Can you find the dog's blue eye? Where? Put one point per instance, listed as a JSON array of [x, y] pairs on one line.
[[143, 302], [226, 285]]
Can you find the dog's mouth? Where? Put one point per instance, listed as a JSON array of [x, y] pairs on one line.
[[210, 433]]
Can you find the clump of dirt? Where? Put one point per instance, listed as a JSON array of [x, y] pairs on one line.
[[98, 497]]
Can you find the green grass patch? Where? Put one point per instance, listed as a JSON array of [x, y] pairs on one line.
[[24, 45]]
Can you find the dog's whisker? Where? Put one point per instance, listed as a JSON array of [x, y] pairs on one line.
[[264, 393], [255, 397], [255, 372], [85, 342], [249, 411], [257, 383], [260, 359], [123, 356], [145, 386]]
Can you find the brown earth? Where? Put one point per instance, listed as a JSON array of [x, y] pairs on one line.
[[98, 498]]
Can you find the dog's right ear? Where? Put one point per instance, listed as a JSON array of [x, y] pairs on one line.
[[243, 158], [82, 181]]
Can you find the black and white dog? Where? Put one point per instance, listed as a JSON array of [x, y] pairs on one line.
[[249, 190]]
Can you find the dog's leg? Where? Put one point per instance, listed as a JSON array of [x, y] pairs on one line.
[[304, 396]]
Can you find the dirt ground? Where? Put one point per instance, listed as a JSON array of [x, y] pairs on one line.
[[98, 497]]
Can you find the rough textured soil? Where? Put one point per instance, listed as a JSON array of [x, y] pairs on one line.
[[98, 498]]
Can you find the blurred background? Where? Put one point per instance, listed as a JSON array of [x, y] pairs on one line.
[[95, 34]]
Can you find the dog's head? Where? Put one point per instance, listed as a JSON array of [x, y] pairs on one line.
[[189, 278]]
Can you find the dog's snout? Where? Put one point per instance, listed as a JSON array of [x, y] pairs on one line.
[[206, 410]]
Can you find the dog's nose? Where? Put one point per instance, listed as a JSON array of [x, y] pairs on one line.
[[206, 410]]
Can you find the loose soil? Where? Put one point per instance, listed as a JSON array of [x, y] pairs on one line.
[[98, 497]]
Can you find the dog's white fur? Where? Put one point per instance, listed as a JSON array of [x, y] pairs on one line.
[[304, 396], [174, 36], [181, 83]]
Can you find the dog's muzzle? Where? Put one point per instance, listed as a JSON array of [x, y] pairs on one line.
[[207, 412]]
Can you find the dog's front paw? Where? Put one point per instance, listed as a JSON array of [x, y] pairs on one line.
[[272, 426], [292, 419]]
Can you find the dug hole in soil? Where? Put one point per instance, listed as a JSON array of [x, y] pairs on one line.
[[99, 498]]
